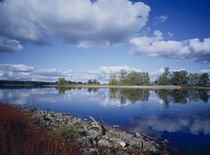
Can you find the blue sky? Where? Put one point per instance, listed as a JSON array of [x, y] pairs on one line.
[[82, 40]]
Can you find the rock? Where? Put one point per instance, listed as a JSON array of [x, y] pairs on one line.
[[116, 126], [123, 144], [104, 142], [138, 135], [118, 142], [165, 141], [92, 133]]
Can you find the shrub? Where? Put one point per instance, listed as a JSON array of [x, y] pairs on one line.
[[68, 131]]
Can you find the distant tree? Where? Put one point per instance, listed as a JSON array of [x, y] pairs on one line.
[[179, 77], [113, 79], [134, 78], [95, 82], [90, 82], [164, 78], [193, 78], [62, 81], [123, 77], [146, 78], [203, 79]]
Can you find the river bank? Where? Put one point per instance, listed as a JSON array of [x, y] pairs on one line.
[[100, 136], [152, 87]]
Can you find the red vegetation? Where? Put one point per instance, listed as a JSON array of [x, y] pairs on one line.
[[20, 135]]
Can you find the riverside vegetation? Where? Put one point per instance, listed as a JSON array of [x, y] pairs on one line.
[[31, 131], [176, 78]]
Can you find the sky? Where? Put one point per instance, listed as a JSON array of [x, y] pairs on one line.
[[90, 39]]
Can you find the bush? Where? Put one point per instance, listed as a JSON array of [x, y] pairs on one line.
[[68, 131]]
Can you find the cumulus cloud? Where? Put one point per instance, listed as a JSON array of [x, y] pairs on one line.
[[192, 49], [82, 22], [8, 45], [24, 72], [103, 73]]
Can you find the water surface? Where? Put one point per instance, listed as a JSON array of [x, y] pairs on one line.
[[182, 116]]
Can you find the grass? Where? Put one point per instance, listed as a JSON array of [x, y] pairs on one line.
[[20, 135], [68, 131]]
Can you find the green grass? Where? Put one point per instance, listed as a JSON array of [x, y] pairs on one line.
[[69, 131]]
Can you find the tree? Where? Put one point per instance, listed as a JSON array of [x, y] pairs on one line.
[[113, 79], [134, 78], [123, 77], [203, 79], [62, 81], [95, 82], [179, 77], [164, 79], [146, 78], [193, 78], [90, 82]]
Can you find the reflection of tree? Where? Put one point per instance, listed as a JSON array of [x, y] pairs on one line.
[[112, 92], [203, 95], [61, 90], [179, 96], [182, 96], [93, 89], [133, 95], [164, 95]]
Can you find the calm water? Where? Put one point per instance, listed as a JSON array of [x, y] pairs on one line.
[[182, 116]]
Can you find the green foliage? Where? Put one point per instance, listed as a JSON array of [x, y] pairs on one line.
[[146, 78], [134, 78], [62, 81], [193, 78], [68, 131], [203, 79], [113, 79], [164, 78], [179, 77], [182, 78], [123, 77], [93, 82]]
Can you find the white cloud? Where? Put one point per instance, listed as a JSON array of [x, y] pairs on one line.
[[205, 71], [24, 72], [8, 45], [80, 22], [191, 49], [163, 18], [103, 73], [170, 34]]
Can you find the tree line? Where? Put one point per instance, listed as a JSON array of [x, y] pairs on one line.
[[8, 83], [63, 81], [133, 78], [181, 77]]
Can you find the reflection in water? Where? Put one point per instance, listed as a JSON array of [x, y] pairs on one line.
[[93, 89], [182, 96], [133, 95], [157, 124], [29, 96]]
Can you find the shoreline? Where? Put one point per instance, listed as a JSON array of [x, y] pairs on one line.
[[151, 87], [96, 135], [128, 87]]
